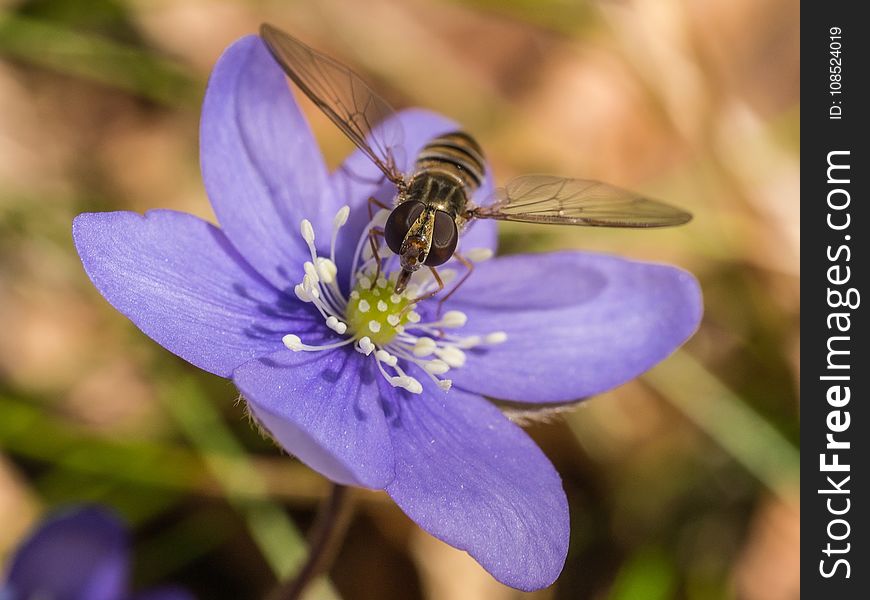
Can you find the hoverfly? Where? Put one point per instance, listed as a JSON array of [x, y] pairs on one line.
[[433, 201]]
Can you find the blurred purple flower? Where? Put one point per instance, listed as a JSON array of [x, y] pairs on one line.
[[76, 554], [335, 372]]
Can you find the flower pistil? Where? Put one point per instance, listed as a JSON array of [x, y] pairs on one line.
[[378, 321]]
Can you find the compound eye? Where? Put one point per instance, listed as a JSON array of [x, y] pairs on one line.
[[444, 239], [399, 222]]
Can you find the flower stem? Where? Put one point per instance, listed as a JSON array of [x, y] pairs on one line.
[[324, 541]]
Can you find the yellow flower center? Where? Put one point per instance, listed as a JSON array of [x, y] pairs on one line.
[[374, 315], [376, 312]]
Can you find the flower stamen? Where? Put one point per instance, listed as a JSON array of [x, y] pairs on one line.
[[379, 322]]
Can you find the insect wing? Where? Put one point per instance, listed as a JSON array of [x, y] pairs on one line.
[[564, 201], [345, 98]]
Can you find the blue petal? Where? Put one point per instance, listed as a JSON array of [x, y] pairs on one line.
[[79, 554], [475, 480], [261, 166], [325, 408], [577, 323], [182, 283], [358, 179]]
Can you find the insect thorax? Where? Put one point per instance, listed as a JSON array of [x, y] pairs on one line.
[[438, 190], [448, 171]]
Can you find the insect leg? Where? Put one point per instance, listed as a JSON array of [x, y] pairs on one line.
[[469, 269], [373, 233], [375, 202], [428, 295]]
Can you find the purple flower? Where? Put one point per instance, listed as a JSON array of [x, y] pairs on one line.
[[76, 554], [279, 298]]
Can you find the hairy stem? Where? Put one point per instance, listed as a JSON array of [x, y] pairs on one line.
[[324, 541]]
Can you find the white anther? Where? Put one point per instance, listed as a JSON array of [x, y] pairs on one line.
[[447, 276], [407, 382], [309, 284], [292, 342], [310, 271], [469, 342], [445, 384], [326, 269], [498, 337], [393, 320], [374, 326], [381, 217], [386, 358], [436, 367], [382, 283], [307, 231], [341, 217], [451, 355], [478, 254], [382, 306], [336, 325], [364, 282], [354, 295], [454, 318], [363, 306], [395, 298], [301, 293], [424, 346], [414, 386], [365, 345], [413, 317]]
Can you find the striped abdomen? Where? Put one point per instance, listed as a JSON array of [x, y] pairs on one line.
[[457, 155]]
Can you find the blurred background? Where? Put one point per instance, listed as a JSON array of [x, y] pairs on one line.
[[682, 484]]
